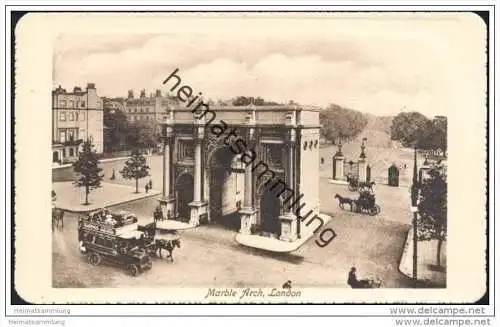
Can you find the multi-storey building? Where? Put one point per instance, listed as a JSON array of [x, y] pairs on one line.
[[76, 116], [147, 108]]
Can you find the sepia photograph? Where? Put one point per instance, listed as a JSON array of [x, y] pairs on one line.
[[251, 157]]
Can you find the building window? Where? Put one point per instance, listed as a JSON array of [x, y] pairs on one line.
[[71, 152], [71, 104], [62, 116], [141, 110], [62, 136], [83, 104], [76, 116], [129, 110], [71, 116], [82, 115], [62, 104], [147, 109], [71, 135], [64, 153], [135, 109]]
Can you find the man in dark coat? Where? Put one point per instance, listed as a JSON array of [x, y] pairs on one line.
[[352, 280]]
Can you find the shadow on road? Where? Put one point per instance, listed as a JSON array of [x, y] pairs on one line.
[[285, 257]]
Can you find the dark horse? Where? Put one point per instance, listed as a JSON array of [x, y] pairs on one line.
[[57, 216], [167, 245], [344, 200]]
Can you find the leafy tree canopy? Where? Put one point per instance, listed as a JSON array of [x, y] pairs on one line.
[[142, 134], [135, 167], [116, 130], [414, 129], [341, 123]]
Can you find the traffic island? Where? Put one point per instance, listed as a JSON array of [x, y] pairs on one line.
[[427, 273], [273, 244], [72, 199]]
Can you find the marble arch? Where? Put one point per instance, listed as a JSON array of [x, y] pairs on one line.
[[285, 138]]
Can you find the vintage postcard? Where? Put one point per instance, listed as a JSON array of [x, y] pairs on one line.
[[251, 157]]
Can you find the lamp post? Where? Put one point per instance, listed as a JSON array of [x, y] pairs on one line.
[[339, 149], [414, 200]]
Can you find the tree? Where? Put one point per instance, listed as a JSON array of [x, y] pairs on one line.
[[341, 123], [135, 168], [414, 129], [433, 208], [439, 134], [410, 128], [142, 135], [87, 169], [116, 130]]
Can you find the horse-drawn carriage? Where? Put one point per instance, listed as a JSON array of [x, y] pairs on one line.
[[157, 239], [354, 184], [365, 203]]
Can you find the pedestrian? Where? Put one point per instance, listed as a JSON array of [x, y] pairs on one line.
[[113, 175], [150, 184], [352, 280], [146, 187]]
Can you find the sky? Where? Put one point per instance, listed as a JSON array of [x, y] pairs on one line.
[[380, 64]]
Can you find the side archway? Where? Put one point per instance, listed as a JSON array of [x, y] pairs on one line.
[[269, 207], [184, 188]]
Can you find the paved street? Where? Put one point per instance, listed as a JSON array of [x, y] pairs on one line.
[[210, 256]]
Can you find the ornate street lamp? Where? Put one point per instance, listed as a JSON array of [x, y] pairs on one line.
[[339, 150], [363, 145]]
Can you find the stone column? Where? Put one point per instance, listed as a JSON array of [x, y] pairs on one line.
[[198, 207], [362, 169], [248, 213], [288, 219], [167, 201], [338, 161], [247, 199], [166, 169], [197, 172]]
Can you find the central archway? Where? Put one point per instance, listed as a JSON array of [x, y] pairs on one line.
[[225, 189], [185, 195]]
